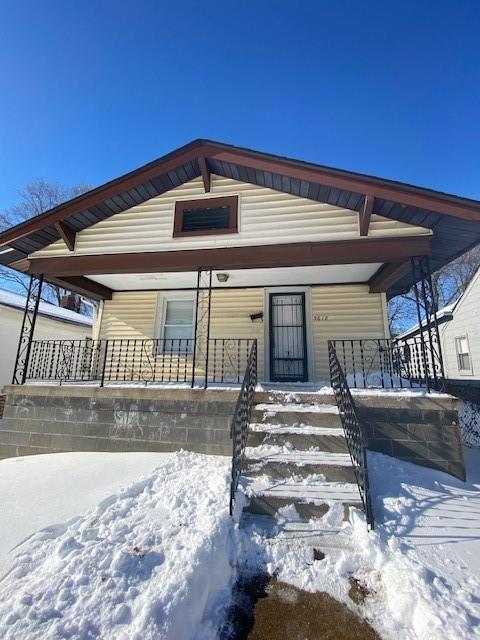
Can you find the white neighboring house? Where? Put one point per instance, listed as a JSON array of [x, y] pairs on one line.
[[459, 328], [53, 323]]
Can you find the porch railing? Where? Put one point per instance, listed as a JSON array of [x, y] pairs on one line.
[[138, 360], [384, 363], [240, 421], [354, 430]]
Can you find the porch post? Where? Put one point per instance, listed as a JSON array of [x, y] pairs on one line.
[[28, 326], [208, 327], [195, 327], [430, 344]]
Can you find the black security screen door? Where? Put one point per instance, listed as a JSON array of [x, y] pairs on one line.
[[288, 348]]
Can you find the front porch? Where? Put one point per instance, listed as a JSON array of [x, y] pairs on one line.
[[199, 329]]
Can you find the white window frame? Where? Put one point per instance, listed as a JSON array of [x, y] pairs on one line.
[[458, 354], [163, 300]]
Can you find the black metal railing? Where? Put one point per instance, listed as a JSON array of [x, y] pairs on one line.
[[354, 430], [241, 419], [138, 360], [384, 363]]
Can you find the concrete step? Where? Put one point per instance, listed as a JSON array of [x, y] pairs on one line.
[[317, 532], [293, 397], [327, 439], [335, 467], [267, 497], [321, 415]]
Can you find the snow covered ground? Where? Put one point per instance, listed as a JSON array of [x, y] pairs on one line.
[[43, 491], [154, 560], [158, 558]]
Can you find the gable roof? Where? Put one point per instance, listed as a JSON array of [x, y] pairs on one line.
[[17, 301], [455, 220]]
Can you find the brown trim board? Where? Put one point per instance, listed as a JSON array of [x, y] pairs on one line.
[[388, 275], [264, 256], [67, 234]]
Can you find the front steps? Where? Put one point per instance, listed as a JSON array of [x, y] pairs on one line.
[[297, 476]]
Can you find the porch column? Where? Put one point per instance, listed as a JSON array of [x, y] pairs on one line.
[[427, 314], [201, 339], [28, 326]]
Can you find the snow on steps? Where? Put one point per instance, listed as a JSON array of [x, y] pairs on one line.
[[297, 469], [318, 415], [302, 437], [311, 498], [279, 462]]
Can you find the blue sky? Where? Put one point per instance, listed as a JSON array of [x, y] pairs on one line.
[[90, 90]]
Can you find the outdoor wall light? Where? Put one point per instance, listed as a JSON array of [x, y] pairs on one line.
[[256, 317], [222, 277]]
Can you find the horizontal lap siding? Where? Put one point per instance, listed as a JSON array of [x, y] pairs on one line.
[[466, 322], [266, 217], [230, 318], [351, 313], [129, 315]]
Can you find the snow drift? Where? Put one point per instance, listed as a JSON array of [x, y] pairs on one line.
[[154, 560]]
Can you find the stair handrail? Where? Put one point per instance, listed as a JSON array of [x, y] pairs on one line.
[[241, 420], [354, 430]]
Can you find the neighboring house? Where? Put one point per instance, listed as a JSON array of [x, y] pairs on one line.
[[459, 331], [53, 323], [217, 265]]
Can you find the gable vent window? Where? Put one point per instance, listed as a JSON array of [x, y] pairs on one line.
[[208, 216]]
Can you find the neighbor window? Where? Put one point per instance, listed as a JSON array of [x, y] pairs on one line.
[[463, 354], [207, 216], [177, 330]]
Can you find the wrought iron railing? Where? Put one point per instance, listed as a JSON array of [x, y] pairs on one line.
[[354, 430], [383, 363], [137, 360], [241, 419]]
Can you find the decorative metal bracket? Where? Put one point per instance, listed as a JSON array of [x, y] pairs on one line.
[[28, 326], [426, 302]]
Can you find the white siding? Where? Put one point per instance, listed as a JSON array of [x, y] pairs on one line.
[[344, 312], [266, 217], [465, 322], [45, 329], [129, 315], [231, 310]]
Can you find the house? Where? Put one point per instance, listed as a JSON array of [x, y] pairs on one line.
[[459, 333], [218, 266], [53, 323]]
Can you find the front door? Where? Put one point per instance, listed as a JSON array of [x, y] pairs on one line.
[[288, 348]]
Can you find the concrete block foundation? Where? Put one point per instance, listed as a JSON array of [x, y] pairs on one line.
[[47, 419], [419, 429]]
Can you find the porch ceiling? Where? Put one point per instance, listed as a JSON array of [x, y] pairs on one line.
[[293, 276]]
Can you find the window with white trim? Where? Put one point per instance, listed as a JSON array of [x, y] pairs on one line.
[[177, 329], [463, 354]]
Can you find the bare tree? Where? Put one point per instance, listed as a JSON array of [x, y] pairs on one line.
[[449, 283], [35, 198]]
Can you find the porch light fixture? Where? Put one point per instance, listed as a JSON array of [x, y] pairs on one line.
[[222, 277]]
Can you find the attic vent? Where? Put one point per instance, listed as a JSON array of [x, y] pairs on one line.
[[206, 216]]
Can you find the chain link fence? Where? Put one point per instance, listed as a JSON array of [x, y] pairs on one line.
[[469, 416]]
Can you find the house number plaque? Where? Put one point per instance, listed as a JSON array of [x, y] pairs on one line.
[[318, 318]]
